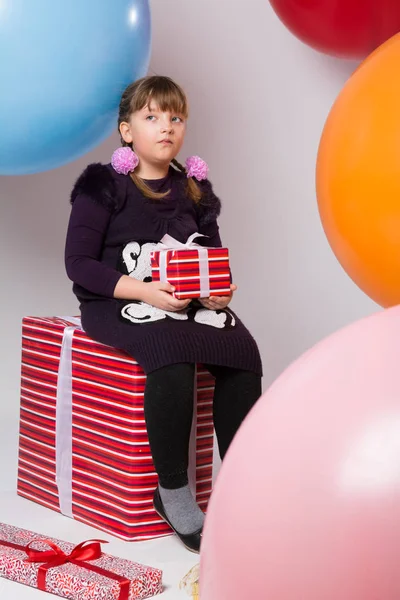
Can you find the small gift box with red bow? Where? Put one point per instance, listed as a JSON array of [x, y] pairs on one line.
[[83, 571], [194, 271]]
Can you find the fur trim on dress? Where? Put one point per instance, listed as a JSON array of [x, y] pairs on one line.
[[98, 183]]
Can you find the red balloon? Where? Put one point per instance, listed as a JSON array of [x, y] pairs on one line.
[[346, 28]]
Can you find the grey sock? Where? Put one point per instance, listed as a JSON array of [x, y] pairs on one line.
[[182, 509]]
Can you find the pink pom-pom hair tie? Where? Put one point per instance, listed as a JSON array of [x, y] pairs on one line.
[[196, 167], [124, 160]]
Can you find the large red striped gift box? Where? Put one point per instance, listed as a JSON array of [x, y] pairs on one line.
[[194, 271], [83, 446], [82, 571]]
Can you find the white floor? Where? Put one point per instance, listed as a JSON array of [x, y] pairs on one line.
[[165, 553]]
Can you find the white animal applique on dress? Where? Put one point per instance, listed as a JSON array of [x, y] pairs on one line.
[[136, 262]]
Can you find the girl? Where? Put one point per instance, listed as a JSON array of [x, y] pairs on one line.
[[119, 212]]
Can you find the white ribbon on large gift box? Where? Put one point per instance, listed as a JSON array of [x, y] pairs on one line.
[[64, 423], [64, 419]]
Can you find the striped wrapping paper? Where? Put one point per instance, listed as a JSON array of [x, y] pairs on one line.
[[183, 271], [113, 477]]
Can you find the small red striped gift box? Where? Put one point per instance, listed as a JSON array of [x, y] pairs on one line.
[[82, 571], [195, 271], [83, 445]]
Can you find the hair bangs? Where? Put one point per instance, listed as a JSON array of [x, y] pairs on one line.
[[164, 93]]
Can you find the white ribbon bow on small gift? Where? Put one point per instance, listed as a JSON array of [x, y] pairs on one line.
[[169, 243]]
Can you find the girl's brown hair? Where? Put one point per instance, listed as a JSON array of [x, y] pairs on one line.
[[169, 97]]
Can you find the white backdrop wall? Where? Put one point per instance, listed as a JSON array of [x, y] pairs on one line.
[[259, 99]]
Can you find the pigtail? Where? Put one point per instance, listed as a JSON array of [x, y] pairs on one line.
[[193, 190], [140, 184]]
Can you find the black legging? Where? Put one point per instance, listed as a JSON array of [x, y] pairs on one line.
[[168, 404]]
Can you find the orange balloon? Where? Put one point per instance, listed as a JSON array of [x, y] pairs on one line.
[[358, 175]]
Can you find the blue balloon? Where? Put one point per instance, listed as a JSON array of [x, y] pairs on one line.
[[63, 67]]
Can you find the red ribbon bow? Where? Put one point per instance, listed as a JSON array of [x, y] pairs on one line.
[[88, 550], [80, 554]]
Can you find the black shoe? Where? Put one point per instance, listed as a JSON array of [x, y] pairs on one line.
[[190, 540]]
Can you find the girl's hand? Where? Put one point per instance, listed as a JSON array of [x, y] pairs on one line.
[[160, 295], [218, 302]]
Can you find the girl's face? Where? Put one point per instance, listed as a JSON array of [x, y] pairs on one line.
[[157, 136]]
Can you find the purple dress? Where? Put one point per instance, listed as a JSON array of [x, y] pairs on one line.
[[112, 230]]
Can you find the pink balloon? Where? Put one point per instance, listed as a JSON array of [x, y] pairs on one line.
[[307, 502]]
